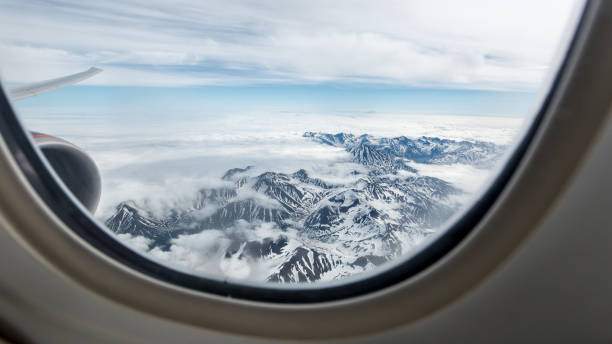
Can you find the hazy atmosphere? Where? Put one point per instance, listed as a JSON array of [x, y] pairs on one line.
[[294, 141]]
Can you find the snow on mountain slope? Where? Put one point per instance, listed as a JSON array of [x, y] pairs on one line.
[[429, 150], [291, 227]]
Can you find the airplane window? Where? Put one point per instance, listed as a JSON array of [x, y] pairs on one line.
[[280, 143]]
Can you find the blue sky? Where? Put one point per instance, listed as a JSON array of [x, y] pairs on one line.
[[281, 98], [474, 57], [192, 88]]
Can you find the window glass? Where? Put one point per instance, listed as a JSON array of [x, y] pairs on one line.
[[282, 142]]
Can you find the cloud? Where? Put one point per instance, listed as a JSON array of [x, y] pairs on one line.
[[137, 243], [466, 177], [161, 158], [204, 253], [164, 164], [259, 198], [468, 44]]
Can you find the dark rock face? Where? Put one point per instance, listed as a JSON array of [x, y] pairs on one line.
[[426, 150], [213, 197], [258, 249], [289, 193], [247, 210], [341, 228], [127, 219], [305, 265], [303, 177], [230, 174]]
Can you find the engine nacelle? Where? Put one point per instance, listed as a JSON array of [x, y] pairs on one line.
[[76, 168]]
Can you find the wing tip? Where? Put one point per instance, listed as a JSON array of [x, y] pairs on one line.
[[30, 90], [95, 70]]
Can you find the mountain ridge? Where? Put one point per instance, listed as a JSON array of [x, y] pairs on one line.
[[321, 230]]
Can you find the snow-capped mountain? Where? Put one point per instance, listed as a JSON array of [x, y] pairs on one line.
[[314, 229], [427, 150]]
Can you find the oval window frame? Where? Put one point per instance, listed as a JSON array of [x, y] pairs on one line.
[[31, 199]]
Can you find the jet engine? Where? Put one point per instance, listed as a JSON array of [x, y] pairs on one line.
[[75, 168]]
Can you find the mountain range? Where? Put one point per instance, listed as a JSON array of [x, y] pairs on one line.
[[319, 230]]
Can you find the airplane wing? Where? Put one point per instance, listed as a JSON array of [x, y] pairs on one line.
[[73, 166], [30, 90]]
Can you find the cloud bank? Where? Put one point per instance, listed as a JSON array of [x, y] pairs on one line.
[[468, 44], [164, 163]]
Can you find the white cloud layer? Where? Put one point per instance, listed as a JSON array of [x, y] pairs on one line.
[[467, 44], [160, 160], [163, 162]]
